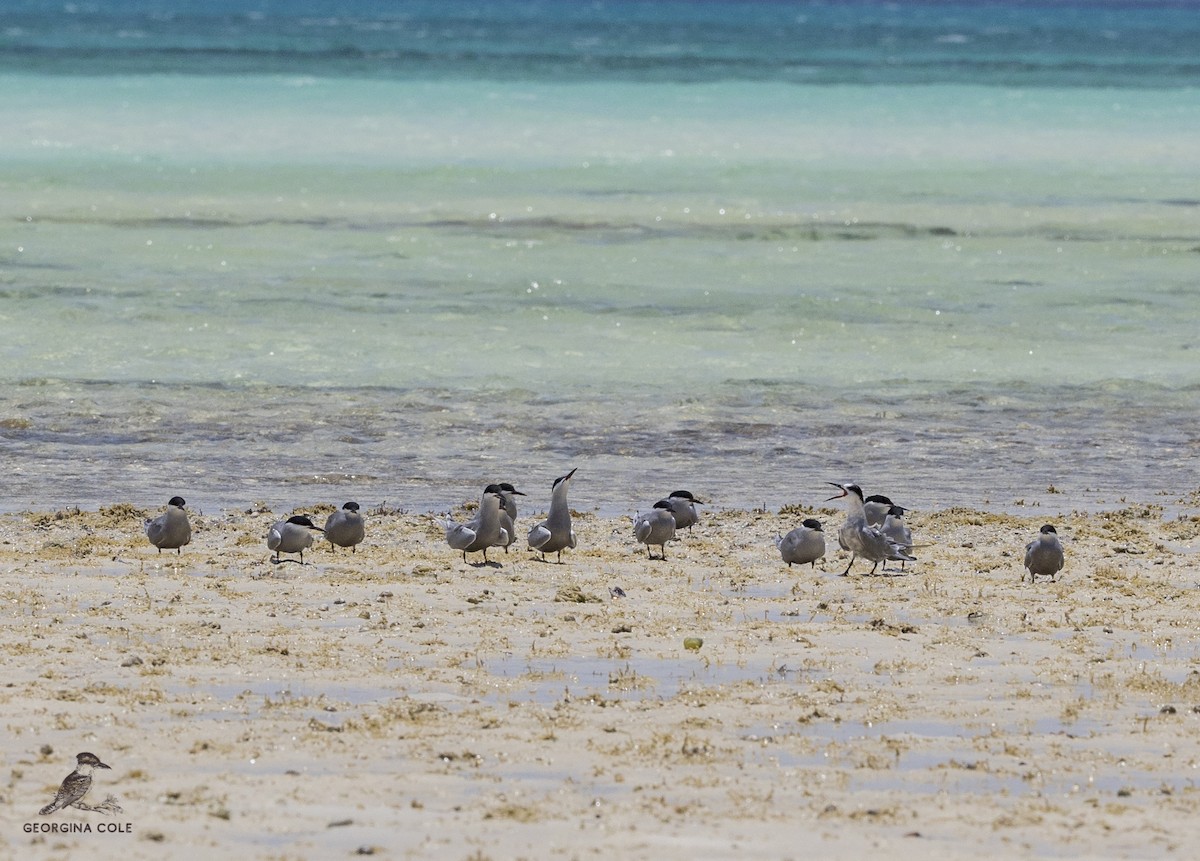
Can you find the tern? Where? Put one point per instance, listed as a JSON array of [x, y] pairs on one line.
[[1044, 555], [345, 527], [293, 535], [896, 529], [170, 530], [682, 506], [657, 526], [861, 538], [76, 784], [804, 544], [554, 534], [876, 507], [484, 530], [508, 512]]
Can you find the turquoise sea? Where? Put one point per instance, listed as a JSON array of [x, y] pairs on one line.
[[305, 252]]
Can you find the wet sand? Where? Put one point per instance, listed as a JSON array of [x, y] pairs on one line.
[[401, 703]]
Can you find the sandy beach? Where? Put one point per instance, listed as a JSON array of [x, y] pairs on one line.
[[400, 703]]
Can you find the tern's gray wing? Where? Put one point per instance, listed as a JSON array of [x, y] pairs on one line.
[[899, 552], [656, 527], [288, 537], [275, 536], [170, 530], [801, 546], [539, 535], [508, 531], [1044, 557], [459, 536], [683, 512], [869, 542], [788, 545], [344, 528], [155, 528], [897, 532]]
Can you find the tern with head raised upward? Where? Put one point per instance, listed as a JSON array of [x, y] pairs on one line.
[[554, 534]]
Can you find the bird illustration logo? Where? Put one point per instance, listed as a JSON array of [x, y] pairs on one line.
[[77, 784]]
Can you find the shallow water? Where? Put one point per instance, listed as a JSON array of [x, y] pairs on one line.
[[246, 264]]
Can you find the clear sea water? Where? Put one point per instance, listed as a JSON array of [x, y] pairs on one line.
[[305, 252]]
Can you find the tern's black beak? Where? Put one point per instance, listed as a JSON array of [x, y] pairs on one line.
[[843, 490]]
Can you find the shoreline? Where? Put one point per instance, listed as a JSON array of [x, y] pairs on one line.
[[398, 702], [1040, 508]]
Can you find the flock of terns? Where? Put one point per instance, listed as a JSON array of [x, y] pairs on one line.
[[874, 530]]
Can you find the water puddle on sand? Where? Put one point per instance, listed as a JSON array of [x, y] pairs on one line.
[[938, 756], [791, 608], [249, 698], [549, 680]]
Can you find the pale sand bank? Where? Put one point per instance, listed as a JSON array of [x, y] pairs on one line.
[[400, 700]]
